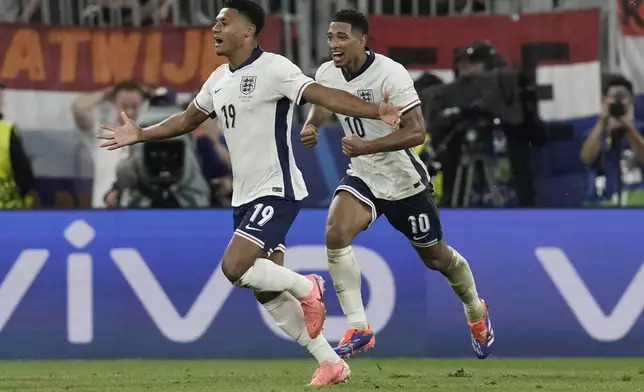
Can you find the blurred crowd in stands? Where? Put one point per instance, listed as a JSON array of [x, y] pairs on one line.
[[130, 178], [147, 12]]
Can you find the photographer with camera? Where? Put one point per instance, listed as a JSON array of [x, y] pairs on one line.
[[614, 148], [165, 173]]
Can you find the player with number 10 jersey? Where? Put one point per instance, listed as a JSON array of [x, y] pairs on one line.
[[385, 177]]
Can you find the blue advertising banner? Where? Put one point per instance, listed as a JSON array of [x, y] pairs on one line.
[[146, 284]]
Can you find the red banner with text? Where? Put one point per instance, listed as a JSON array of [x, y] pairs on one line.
[[429, 42], [82, 59]]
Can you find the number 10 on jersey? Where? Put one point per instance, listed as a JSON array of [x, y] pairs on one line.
[[355, 126]]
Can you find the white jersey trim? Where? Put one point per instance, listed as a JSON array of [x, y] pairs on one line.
[[300, 93], [411, 106], [201, 109], [362, 198], [250, 238]]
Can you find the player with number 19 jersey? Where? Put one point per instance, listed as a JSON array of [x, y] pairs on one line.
[[254, 106], [393, 175]]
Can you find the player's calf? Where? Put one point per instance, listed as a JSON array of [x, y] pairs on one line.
[[456, 269], [437, 257], [264, 275], [348, 216], [264, 297]]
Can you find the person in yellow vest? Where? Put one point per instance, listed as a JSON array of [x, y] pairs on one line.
[[437, 179], [16, 176]]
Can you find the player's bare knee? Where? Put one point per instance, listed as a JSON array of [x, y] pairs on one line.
[[437, 257], [432, 263], [338, 235], [234, 269]]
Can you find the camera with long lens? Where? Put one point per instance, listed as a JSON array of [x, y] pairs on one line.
[[163, 162], [488, 108], [481, 102], [617, 108], [163, 167]]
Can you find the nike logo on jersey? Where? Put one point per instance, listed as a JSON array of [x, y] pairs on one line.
[[248, 227], [218, 90], [420, 238]]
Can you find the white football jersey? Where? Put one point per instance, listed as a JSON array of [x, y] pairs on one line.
[[390, 175], [254, 106]]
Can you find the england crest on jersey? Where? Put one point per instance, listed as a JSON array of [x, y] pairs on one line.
[[366, 95], [247, 85]]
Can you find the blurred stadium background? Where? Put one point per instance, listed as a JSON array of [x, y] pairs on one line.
[[564, 277]]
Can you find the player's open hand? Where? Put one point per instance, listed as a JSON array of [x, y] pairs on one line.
[[389, 113], [309, 136], [354, 146], [116, 137]]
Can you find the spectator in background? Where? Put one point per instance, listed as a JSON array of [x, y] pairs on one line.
[[614, 149], [113, 13], [159, 11], [12, 10], [16, 176], [126, 97]]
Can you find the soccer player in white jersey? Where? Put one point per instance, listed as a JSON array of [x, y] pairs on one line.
[[384, 178], [253, 98]]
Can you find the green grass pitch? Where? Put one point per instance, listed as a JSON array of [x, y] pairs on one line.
[[516, 375]]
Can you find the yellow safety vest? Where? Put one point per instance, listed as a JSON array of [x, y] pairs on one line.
[[437, 180], [9, 191]]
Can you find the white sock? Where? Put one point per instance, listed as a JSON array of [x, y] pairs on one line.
[[265, 275], [347, 281], [460, 277], [288, 315]]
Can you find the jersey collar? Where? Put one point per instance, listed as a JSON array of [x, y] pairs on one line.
[[254, 56], [371, 56]]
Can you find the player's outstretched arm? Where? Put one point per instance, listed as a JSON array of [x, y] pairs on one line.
[[318, 116], [176, 125], [339, 101], [130, 133], [411, 134]]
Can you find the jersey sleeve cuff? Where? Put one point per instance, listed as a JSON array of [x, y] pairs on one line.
[[204, 111], [299, 99], [410, 106]]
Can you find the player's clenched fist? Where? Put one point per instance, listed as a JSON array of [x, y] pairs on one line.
[[353, 146], [309, 136]]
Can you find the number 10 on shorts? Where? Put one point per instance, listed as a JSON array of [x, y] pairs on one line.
[[419, 224]]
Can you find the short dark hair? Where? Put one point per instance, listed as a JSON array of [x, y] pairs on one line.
[[427, 80], [128, 85], [616, 80], [251, 10], [355, 18]]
